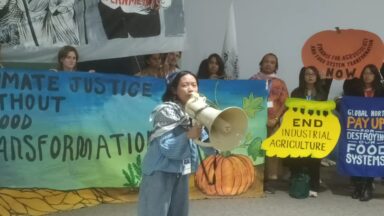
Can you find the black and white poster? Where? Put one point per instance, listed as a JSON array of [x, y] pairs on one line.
[[33, 30]]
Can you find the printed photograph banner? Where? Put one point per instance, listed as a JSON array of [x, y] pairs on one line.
[[361, 144], [32, 31], [83, 130]]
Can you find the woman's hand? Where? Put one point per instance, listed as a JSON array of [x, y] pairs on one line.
[[273, 122], [194, 132]]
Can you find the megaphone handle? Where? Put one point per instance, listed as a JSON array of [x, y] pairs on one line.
[[205, 144], [205, 170]]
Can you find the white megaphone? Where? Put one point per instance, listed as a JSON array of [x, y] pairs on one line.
[[226, 128]]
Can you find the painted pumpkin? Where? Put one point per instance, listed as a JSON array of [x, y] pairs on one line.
[[342, 54], [232, 175]]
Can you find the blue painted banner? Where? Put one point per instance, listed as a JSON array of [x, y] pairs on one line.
[[80, 130], [361, 144]]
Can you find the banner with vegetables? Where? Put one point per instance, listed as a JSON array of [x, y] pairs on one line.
[[85, 133], [69, 131]]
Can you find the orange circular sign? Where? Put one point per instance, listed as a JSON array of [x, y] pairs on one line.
[[343, 54]]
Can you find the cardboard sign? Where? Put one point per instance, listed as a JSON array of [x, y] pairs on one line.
[[343, 54], [309, 128]]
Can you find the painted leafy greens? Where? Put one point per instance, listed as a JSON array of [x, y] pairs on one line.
[[133, 173], [252, 105]]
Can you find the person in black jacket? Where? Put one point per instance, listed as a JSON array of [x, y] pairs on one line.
[[369, 85], [310, 88]]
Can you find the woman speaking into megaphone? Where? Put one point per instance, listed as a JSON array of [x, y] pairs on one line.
[[171, 154]]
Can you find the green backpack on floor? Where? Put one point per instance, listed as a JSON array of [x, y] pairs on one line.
[[299, 186]]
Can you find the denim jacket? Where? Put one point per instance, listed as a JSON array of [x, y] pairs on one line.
[[168, 152]]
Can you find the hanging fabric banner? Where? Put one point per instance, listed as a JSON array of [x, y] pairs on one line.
[[32, 31], [77, 130]]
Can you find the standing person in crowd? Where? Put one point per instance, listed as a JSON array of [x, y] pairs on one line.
[[369, 86], [211, 68], [278, 93], [350, 86], [310, 88], [67, 59], [152, 67], [171, 154], [171, 63]]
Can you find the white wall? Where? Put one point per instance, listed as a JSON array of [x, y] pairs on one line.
[[278, 26]]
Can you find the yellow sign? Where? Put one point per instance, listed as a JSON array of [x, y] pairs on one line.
[[309, 128]]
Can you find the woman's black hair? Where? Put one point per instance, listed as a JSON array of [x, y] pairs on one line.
[[172, 83], [220, 62], [203, 72], [269, 54], [376, 85], [302, 85], [301, 90]]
